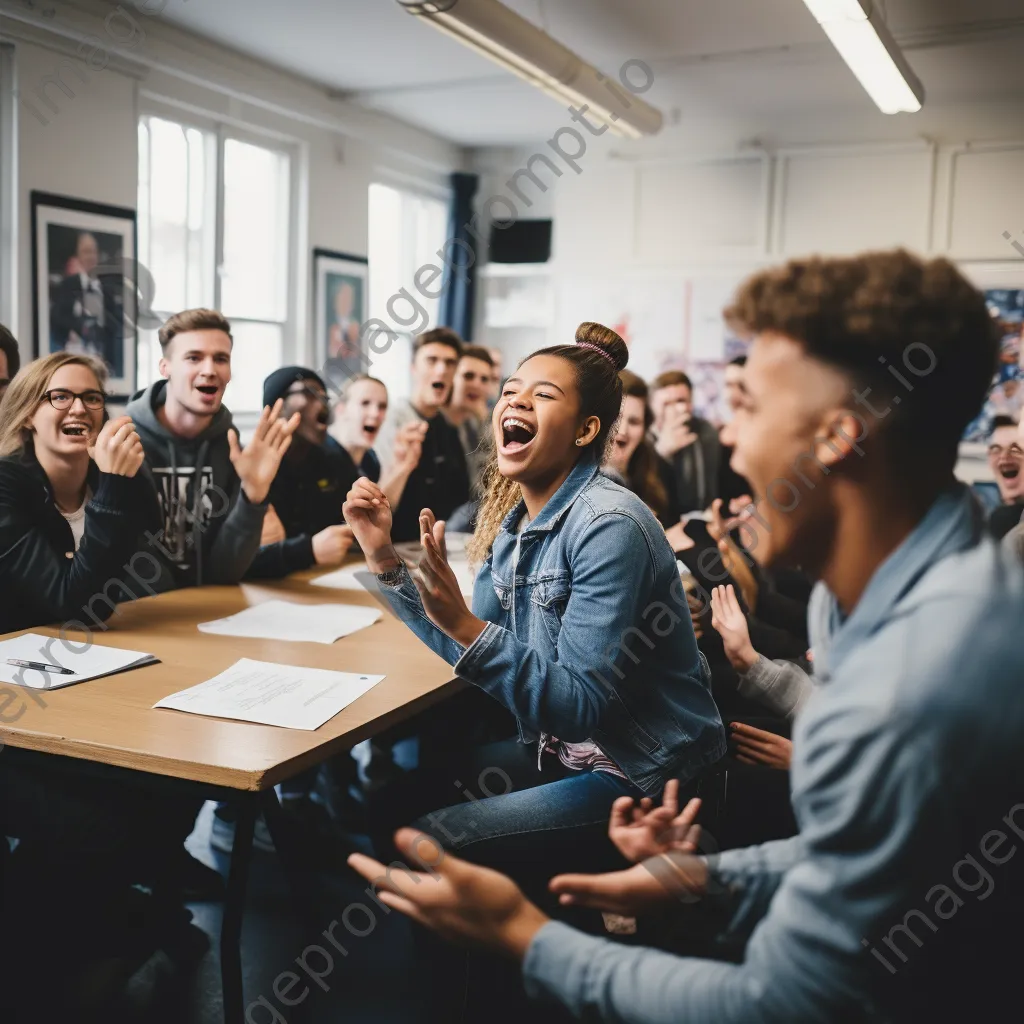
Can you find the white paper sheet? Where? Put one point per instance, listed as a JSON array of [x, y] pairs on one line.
[[286, 620], [91, 663], [272, 694], [347, 579]]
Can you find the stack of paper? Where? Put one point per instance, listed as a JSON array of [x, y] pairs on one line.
[[52, 655], [272, 694], [286, 620]]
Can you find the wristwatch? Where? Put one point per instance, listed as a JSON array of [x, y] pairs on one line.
[[392, 576]]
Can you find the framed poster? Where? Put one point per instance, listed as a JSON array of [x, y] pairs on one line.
[[340, 299], [1003, 285], [83, 283]]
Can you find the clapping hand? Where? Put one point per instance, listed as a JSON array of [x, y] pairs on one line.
[[463, 902], [409, 447], [257, 463], [727, 617], [439, 587], [117, 448], [642, 830], [368, 512]]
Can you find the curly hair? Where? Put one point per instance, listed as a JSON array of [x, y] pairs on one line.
[[913, 333], [597, 357]]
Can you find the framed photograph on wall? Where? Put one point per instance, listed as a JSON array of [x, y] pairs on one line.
[[1003, 285], [83, 283], [340, 301]]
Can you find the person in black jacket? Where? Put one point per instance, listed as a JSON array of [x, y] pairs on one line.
[[72, 503], [72, 508], [304, 525]]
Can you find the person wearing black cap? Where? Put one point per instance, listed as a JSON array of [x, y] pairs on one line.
[[305, 527]]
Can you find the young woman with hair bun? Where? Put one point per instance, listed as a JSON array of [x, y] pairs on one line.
[[578, 626]]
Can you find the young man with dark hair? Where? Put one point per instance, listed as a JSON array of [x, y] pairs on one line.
[[212, 492], [690, 444], [440, 481], [906, 775], [311, 484], [10, 359], [467, 411]]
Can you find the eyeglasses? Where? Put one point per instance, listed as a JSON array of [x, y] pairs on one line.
[[1015, 451], [62, 399]]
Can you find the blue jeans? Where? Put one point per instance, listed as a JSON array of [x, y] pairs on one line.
[[529, 823]]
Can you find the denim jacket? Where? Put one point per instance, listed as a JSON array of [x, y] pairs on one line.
[[590, 636]]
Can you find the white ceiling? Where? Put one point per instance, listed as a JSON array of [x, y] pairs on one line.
[[745, 64]]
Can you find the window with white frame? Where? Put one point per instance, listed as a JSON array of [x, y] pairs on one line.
[[406, 229], [215, 230]]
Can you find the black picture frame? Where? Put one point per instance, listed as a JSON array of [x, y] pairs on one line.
[[338, 342], [106, 326]]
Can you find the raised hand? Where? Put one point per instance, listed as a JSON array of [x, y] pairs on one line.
[[465, 903], [409, 447], [273, 529], [758, 746], [642, 830], [330, 546], [439, 587], [257, 463], [117, 448], [728, 619], [676, 434], [657, 880], [368, 512]]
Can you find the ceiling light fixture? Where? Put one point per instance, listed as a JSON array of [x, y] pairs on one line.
[[864, 41], [498, 33]]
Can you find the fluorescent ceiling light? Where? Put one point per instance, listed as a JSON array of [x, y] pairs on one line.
[[498, 33], [864, 41]]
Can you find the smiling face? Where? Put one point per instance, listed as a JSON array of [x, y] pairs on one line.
[[359, 416], [629, 431], [67, 433], [472, 385], [197, 365], [789, 401], [664, 398], [537, 422], [433, 370], [309, 400], [1006, 457]]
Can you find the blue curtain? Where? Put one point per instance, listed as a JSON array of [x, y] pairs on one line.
[[459, 280]]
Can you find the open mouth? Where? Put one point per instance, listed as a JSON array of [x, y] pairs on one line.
[[516, 434], [322, 418], [370, 430], [1009, 471], [439, 387], [621, 442], [75, 429], [207, 389]]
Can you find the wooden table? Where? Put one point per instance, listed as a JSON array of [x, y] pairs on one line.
[[112, 720]]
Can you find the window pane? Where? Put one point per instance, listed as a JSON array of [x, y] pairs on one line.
[[254, 273], [257, 351]]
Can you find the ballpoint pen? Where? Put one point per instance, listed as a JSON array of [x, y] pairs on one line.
[[40, 666]]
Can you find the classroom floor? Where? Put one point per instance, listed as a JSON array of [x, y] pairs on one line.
[[373, 985]]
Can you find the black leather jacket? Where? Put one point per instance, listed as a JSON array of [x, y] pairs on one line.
[[42, 579]]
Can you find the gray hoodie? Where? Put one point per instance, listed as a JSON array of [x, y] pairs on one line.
[[210, 530]]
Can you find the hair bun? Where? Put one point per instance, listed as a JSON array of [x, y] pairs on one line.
[[604, 338]]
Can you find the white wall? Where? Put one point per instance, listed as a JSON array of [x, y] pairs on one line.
[[88, 148]]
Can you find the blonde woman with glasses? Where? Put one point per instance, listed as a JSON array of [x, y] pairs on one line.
[[71, 503]]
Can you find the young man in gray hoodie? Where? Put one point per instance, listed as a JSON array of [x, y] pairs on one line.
[[212, 492]]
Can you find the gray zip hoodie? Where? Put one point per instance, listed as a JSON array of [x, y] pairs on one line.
[[211, 531]]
